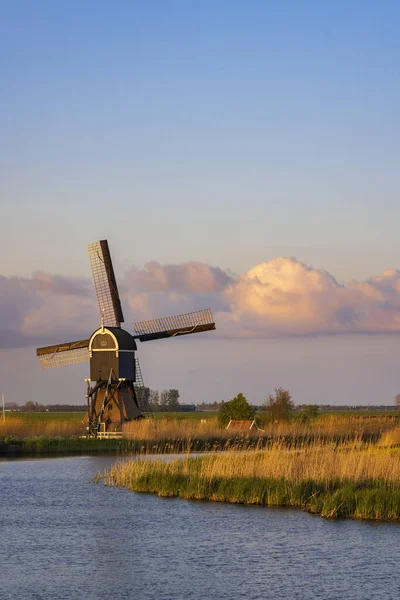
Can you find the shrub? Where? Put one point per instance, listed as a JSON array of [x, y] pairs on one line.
[[238, 409]]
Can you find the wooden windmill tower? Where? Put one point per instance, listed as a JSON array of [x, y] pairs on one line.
[[115, 384]]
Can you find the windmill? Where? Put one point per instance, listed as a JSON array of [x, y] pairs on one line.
[[115, 387]]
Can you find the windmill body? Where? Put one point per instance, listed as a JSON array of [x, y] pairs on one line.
[[116, 391], [112, 348]]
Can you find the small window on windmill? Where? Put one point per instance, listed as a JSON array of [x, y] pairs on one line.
[[110, 407]]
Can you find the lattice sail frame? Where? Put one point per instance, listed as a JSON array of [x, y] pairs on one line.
[[105, 284], [142, 393], [65, 354], [193, 322]]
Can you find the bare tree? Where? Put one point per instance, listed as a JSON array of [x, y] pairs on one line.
[[164, 397], [280, 405], [155, 399]]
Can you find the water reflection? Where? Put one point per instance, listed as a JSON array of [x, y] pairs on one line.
[[63, 537]]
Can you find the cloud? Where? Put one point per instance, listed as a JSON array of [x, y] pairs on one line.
[[281, 297], [286, 297], [37, 309], [158, 290], [191, 277], [58, 285]]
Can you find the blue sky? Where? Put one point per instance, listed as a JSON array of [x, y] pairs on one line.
[[222, 132]]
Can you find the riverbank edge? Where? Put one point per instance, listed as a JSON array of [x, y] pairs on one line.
[[335, 499], [64, 446]]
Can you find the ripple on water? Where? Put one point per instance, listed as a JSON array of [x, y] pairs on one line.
[[63, 537]]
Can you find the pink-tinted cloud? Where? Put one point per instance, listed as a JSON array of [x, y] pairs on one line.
[[45, 283], [191, 277], [281, 297], [34, 310], [286, 297]]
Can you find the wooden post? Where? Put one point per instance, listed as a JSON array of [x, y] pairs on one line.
[[4, 414]]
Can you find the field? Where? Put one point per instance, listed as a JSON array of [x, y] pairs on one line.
[[192, 426], [45, 417], [28, 425], [194, 414]]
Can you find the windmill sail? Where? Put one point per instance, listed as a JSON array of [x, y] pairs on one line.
[[105, 284], [59, 355], [157, 329]]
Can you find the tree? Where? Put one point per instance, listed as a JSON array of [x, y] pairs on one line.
[[155, 399], [238, 409], [168, 400], [31, 406], [173, 399], [309, 412], [279, 406], [397, 400], [143, 394], [164, 397]]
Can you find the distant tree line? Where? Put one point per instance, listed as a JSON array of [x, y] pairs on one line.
[[210, 405], [159, 401], [31, 406]]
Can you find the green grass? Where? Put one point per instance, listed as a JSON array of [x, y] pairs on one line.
[[330, 497], [59, 445], [194, 414], [361, 413], [36, 417], [55, 446], [67, 416]]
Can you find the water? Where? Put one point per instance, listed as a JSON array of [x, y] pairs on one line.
[[62, 537]]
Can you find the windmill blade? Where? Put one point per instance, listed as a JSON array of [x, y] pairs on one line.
[[157, 329], [105, 283], [70, 353]]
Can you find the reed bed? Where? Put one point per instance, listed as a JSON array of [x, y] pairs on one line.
[[25, 426], [172, 435], [353, 480], [334, 425], [173, 429], [390, 437], [324, 426]]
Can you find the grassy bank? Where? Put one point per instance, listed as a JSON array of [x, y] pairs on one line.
[[50, 445], [352, 480]]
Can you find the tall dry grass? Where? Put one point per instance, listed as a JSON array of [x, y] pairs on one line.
[[320, 462], [334, 425], [323, 426], [20, 428], [352, 480], [173, 429], [179, 432]]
